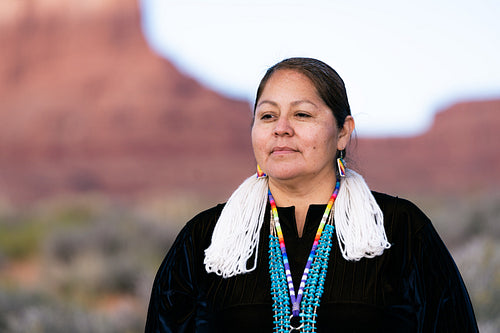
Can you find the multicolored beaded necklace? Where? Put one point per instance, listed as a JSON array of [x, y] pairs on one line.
[[306, 302]]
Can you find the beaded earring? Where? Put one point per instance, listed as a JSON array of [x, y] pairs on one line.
[[341, 163], [260, 173]]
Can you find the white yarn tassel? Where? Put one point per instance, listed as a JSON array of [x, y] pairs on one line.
[[236, 234], [359, 222]]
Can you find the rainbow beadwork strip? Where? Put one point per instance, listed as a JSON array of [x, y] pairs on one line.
[[341, 167], [260, 173], [313, 278]]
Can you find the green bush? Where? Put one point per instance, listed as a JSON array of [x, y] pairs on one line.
[[22, 312]]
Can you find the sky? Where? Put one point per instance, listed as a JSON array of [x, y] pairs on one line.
[[401, 61]]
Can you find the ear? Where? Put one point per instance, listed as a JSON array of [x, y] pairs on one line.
[[345, 133]]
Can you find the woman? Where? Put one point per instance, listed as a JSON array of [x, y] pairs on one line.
[[277, 258]]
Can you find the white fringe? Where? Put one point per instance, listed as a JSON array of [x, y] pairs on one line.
[[236, 234], [359, 225], [359, 222]]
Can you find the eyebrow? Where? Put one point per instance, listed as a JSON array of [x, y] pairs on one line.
[[294, 103]]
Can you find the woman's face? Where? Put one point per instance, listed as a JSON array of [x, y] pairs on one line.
[[294, 134]]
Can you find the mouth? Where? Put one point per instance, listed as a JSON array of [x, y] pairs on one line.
[[282, 150]]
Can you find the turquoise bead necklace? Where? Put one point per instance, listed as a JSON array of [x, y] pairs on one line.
[[307, 300]]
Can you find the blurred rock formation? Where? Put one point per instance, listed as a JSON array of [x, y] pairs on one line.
[[86, 106]]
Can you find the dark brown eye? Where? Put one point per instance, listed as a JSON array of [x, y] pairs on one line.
[[266, 116], [303, 115]]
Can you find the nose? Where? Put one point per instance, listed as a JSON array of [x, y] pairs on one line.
[[283, 127]]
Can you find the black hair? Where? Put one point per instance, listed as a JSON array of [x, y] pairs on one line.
[[325, 79]]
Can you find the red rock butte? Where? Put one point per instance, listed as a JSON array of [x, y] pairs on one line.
[[85, 106], [457, 155]]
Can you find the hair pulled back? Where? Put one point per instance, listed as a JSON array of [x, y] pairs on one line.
[[326, 80]]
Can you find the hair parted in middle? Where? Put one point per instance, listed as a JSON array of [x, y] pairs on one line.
[[326, 80]]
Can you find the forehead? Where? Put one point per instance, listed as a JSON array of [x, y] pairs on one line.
[[289, 76], [291, 85]]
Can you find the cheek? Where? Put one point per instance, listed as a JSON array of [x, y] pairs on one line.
[[258, 142], [319, 139], [328, 141], [254, 137]]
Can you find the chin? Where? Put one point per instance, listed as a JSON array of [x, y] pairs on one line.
[[284, 175]]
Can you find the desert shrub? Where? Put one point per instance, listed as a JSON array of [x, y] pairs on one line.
[[26, 312], [479, 262], [20, 238], [459, 219], [483, 217], [22, 232], [489, 326], [110, 253], [94, 256]]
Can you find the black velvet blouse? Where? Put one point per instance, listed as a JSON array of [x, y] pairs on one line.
[[414, 286]]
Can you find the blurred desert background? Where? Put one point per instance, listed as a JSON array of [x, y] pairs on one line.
[[107, 150]]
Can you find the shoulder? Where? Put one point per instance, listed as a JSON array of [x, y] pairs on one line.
[[192, 240], [400, 213], [202, 224], [207, 216]]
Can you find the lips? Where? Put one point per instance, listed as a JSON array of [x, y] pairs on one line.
[[283, 150]]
